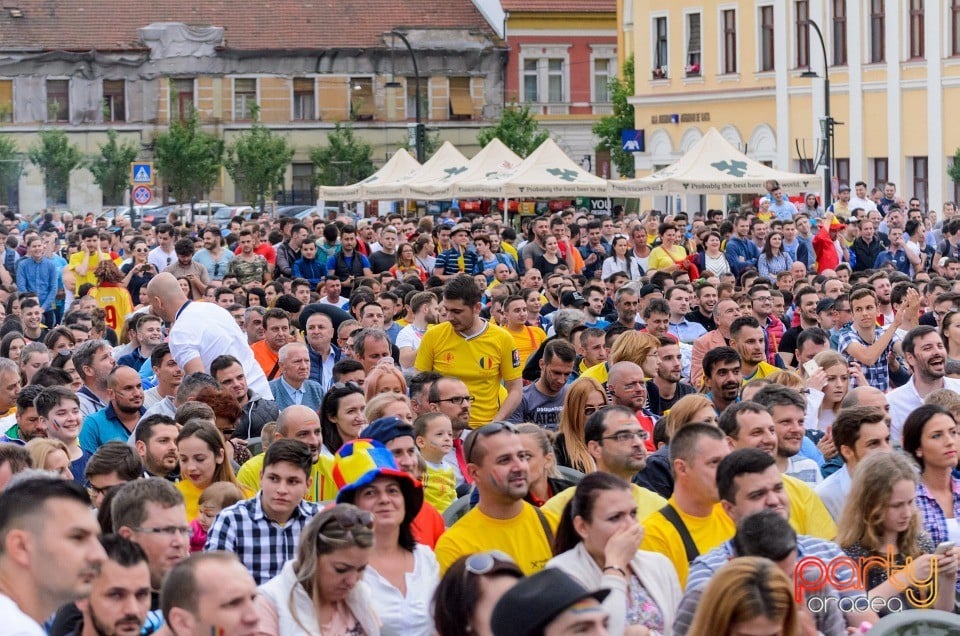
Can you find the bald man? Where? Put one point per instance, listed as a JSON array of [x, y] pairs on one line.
[[201, 332], [301, 423]]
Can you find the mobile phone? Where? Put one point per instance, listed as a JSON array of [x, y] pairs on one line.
[[944, 547], [811, 367]]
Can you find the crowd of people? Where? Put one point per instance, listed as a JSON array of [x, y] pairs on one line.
[[627, 424]]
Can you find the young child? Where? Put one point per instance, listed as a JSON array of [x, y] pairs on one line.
[[59, 408], [434, 438], [307, 266], [213, 499]]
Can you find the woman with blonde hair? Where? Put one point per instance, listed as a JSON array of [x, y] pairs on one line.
[[631, 346], [384, 378], [545, 480], [748, 591], [585, 396], [387, 405], [52, 454], [880, 519], [828, 386]]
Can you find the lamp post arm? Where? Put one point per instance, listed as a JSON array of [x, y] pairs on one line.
[[416, 77]]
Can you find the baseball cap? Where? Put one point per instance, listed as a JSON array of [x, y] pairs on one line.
[[361, 461], [530, 605], [648, 289], [825, 304], [572, 299], [387, 429], [843, 188]]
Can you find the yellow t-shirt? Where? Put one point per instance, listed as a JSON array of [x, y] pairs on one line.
[[660, 259], [115, 303], [764, 369], [598, 372], [75, 261], [521, 537], [191, 496], [322, 488], [706, 532], [648, 502], [511, 250], [439, 486], [481, 362], [808, 515], [527, 340]]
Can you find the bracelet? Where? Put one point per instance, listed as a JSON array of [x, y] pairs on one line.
[[616, 569]]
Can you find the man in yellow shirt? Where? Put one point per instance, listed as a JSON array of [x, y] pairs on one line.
[[526, 339], [84, 262], [693, 523], [615, 440], [301, 423], [750, 425], [482, 355], [502, 520], [746, 338]]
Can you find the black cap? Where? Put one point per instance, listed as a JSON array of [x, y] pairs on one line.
[[648, 289], [825, 304], [572, 299], [534, 602]]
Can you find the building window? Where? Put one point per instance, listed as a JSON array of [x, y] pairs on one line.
[[555, 81], [181, 98], [304, 99], [362, 106], [916, 29], [461, 103], [766, 38], [841, 171], [244, 98], [601, 81], [543, 80], [58, 100], [114, 103], [807, 166], [920, 179], [881, 172], [693, 45], [954, 27], [531, 78], [877, 31], [803, 33], [839, 32], [6, 103], [729, 41], [302, 185], [661, 57]]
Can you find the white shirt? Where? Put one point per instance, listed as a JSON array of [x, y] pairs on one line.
[[207, 330], [406, 615], [408, 337], [903, 400], [804, 469], [160, 259], [833, 491], [857, 202], [15, 622]]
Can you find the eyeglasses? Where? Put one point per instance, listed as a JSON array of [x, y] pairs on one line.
[[93, 491], [185, 531], [458, 400], [629, 436], [353, 386], [482, 563], [485, 431], [763, 299], [590, 410]]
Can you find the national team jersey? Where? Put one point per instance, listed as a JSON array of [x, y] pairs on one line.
[[115, 302], [481, 362]]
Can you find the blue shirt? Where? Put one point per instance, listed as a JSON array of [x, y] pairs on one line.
[[449, 260], [898, 258], [741, 253], [311, 269], [785, 211], [102, 427], [41, 278], [686, 330]]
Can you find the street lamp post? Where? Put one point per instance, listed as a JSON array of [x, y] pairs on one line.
[[827, 125], [420, 134]]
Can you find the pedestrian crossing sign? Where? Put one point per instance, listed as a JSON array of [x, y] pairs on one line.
[[141, 173]]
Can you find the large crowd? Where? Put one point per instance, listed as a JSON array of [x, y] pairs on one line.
[[711, 423]]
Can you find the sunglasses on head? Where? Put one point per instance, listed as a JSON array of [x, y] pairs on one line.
[[485, 431]]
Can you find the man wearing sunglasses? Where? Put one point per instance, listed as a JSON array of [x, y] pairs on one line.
[[502, 520], [213, 257]]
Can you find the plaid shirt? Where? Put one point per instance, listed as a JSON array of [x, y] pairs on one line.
[[877, 374], [934, 520], [263, 546]]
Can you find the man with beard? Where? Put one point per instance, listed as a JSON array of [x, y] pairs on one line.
[[707, 300], [725, 312], [924, 351], [805, 301], [213, 257], [543, 400], [627, 303], [323, 353], [616, 441], [665, 389], [120, 595], [93, 361], [253, 324], [883, 289], [120, 417], [276, 325], [29, 423], [722, 376], [255, 411], [691, 523], [787, 408], [150, 336], [156, 443], [594, 297], [741, 251], [423, 312], [746, 337], [501, 520]]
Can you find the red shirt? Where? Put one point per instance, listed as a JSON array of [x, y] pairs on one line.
[[825, 250], [427, 526], [265, 250]]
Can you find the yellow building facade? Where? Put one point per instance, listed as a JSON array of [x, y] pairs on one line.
[[894, 69]]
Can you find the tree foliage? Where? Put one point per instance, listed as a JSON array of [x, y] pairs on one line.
[[954, 170], [56, 157], [11, 166], [609, 127], [111, 168], [257, 161], [345, 159], [518, 129], [431, 144], [188, 159]]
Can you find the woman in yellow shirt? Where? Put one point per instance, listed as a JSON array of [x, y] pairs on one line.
[[668, 255], [203, 461]]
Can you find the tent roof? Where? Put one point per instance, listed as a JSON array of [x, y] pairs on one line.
[[445, 161], [547, 172], [494, 158], [714, 166], [399, 165]]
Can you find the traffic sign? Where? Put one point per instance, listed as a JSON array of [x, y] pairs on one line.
[[142, 195], [141, 173]]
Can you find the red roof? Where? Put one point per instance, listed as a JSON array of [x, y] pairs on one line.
[[559, 6], [249, 25]]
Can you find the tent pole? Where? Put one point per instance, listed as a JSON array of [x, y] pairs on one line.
[[506, 205]]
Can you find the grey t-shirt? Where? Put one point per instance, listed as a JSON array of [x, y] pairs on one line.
[[540, 409]]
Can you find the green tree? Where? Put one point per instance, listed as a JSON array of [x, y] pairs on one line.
[[345, 159], [11, 166], [431, 144], [188, 159], [56, 157], [111, 168], [518, 129], [258, 160], [609, 127], [954, 170]]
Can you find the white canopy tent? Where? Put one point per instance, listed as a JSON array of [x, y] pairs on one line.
[[494, 158], [401, 164], [713, 166], [446, 161]]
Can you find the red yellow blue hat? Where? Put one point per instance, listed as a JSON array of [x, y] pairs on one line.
[[359, 462]]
